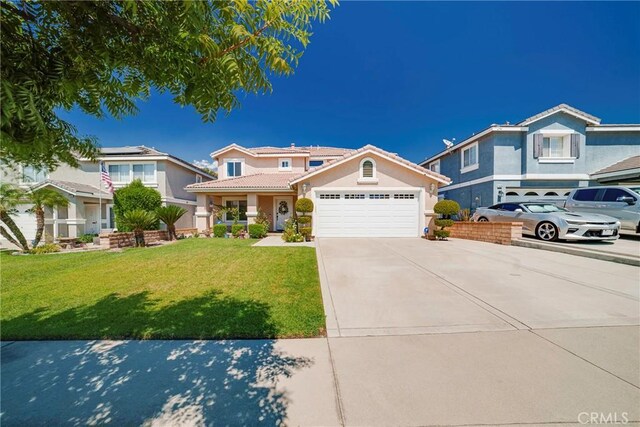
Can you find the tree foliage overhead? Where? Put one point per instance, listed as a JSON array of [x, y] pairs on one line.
[[102, 56]]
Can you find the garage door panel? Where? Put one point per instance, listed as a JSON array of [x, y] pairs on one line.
[[371, 216]]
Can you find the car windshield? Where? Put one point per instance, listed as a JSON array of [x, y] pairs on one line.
[[635, 189], [543, 208]]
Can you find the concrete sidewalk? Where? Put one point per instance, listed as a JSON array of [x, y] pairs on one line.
[[510, 377]]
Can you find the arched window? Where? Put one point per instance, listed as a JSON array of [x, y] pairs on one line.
[[368, 169], [551, 193], [531, 193], [512, 193]]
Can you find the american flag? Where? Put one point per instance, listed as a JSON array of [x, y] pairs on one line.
[[104, 176]]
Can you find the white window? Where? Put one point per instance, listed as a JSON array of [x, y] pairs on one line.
[[378, 196], [241, 205], [330, 196], [145, 172], [284, 164], [354, 196], [32, 175], [469, 158], [368, 171], [404, 196], [234, 167], [435, 166], [120, 173], [555, 146], [198, 178]]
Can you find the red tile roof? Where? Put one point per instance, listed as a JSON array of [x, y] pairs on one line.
[[275, 181]]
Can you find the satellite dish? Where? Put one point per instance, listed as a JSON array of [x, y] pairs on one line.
[[448, 143]]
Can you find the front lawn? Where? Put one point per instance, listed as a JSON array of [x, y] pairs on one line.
[[195, 288]]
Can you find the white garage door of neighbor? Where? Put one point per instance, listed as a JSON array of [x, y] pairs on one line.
[[25, 221], [367, 214]]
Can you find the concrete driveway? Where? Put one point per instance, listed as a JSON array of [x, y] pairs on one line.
[[413, 286]]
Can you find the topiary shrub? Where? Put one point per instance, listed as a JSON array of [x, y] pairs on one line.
[[446, 208], [304, 220], [306, 232], [219, 230], [237, 229], [257, 231], [135, 196], [304, 205]]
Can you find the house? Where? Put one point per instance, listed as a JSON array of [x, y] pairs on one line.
[[544, 156], [89, 200], [367, 192]]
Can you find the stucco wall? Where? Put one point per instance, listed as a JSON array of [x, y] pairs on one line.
[[254, 165], [606, 148], [175, 179]]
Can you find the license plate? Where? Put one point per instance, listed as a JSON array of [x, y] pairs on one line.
[[607, 233]]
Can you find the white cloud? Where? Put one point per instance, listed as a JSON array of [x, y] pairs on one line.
[[206, 164]]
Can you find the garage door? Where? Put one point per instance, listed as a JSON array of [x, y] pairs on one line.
[[367, 214], [25, 221]]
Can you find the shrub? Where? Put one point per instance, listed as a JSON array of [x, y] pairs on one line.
[[46, 249], [257, 231], [87, 238], [464, 215], [219, 230], [304, 220], [135, 196], [139, 220], [290, 236], [170, 214], [446, 208], [236, 229], [304, 205], [306, 232], [263, 218]]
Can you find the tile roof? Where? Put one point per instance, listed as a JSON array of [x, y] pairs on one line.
[[312, 150], [74, 188], [629, 163], [558, 108], [380, 151], [275, 181]]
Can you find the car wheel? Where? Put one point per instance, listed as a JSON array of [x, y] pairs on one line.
[[547, 231], [483, 219]]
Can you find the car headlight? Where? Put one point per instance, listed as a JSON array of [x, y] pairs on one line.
[[574, 222]]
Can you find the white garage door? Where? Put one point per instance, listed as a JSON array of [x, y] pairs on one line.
[[367, 214], [25, 221]]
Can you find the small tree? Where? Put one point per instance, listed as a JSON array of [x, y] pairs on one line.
[[446, 208], [135, 196], [170, 214], [304, 206], [139, 220], [10, 197], [41, 199]]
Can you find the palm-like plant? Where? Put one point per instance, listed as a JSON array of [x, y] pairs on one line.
[[10, 197], [170, 214], [139, 220], [41, 199]]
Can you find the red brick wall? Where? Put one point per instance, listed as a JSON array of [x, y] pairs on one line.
[[494, 232], [125, 240]]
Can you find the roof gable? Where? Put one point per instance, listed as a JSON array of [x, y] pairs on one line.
[[564, 108]]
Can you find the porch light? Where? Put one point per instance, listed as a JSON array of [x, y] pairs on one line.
[[432, 188], [211, 205], [304, 188]]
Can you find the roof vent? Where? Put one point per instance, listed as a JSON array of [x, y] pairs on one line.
[[293, 145]]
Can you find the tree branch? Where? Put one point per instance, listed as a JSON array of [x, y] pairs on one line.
[[238, 45]]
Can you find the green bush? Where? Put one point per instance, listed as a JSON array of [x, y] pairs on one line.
[[46, 249], [263, 218], [87, 238], [306, 232], [219, 230], [447, 208], [442, 234], [443, 223], [304, 205], [257, 231], [135, 196], [236, 229], [304, 220], [290, 236]]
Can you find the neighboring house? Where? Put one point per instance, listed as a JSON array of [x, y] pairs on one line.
[[88, 197], [359, 193], [544, 156]]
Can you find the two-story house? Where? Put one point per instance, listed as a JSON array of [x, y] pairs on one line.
[[90, 208], [542, 157], [367, 192]]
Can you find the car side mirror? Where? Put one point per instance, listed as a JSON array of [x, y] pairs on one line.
[[518, 210], [627, 199]]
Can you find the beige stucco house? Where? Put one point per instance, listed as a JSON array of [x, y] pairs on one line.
[[89, 201], [367, 192]]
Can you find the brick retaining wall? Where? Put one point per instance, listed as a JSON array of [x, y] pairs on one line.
[[493, 232], [125, 240]]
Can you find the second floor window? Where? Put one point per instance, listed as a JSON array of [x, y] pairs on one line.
[[145, 172], [119, 173], [234, 168], [554, 146], [435, 166], [470, 156], [124, 173], [33, 175]]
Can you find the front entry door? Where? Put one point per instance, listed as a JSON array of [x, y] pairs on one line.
[[92, 217], [284, 207]]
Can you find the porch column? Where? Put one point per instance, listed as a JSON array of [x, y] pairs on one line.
[[203, 216], [73, 220], [252, 208]]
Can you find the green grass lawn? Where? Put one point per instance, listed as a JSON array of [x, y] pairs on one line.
[[195, 288]]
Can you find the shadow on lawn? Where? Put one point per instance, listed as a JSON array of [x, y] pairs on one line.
[[137, 316], [146, 382]]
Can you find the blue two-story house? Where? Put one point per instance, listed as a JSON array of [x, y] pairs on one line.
[[542, 157]]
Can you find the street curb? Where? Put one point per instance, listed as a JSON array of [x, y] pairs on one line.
[[620, 259]]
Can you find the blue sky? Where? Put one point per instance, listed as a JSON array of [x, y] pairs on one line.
[[402, 76]]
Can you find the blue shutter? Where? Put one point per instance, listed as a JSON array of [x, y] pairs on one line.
[[575, 145], [538, 139]]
